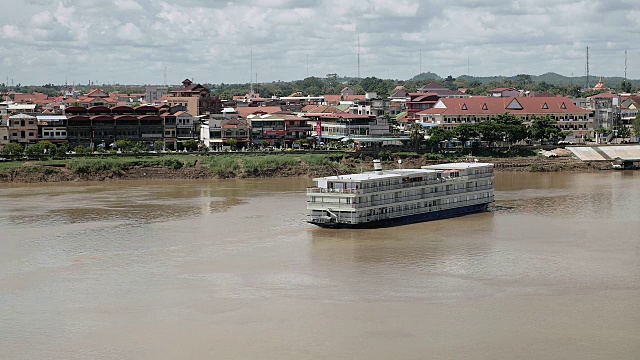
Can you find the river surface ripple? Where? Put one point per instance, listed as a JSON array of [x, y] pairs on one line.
[[229, 269]]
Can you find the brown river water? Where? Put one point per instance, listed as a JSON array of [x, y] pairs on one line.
[[229, 269]]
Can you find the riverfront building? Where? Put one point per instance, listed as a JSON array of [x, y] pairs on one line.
[[449, 113]]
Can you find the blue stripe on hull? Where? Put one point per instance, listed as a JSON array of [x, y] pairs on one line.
[[409, 219]]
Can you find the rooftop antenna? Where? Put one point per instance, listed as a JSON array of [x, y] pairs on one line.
[[358, 57]]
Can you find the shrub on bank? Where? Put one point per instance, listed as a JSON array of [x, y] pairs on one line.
[[118, 165], [233, 165]]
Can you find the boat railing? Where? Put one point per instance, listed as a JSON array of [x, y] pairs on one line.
[[374, 189], [398, 200]]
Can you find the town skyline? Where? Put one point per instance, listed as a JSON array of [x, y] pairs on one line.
[[139, 41]]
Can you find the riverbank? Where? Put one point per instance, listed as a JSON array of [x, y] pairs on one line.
[[250, 166]]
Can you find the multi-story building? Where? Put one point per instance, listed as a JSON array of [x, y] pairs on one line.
[[606, 107], [155, 93], [52, 128], [170, 137], [373, 105], [102, 125], [629, 110], [196, 98], [218, 133], [23, 129], [4, 133], [503, 92], [28, 109], [338, 126], [279, 129], [449, 113], [185, 128]]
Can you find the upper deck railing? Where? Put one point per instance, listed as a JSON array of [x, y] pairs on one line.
[[375, 189]]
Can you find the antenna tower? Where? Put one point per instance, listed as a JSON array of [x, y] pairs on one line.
[[251, 75], [587, 67], [307, 65], [165, 76], [358, 56], [420, 62], [625, 66]]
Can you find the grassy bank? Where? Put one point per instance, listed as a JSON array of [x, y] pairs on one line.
[[250, 165], [269, 165]]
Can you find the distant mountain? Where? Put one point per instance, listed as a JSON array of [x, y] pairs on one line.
[[551, 78], [426, 76]]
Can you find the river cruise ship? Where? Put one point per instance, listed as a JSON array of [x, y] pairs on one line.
[[383, 198]]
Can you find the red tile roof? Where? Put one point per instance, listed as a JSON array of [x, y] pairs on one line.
[[244, 111], [332, 99], [604, 96], [321, 109], [482, 105]]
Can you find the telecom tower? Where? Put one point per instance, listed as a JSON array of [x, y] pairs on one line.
[[587, 68], [165, 76], [625, 66], [358, 57]]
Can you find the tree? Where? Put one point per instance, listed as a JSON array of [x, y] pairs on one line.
[[624, 132], [635, 125], [490, 131], [543, 128], [416, 137], [190, 145], [232, 143], [466, 132], [437, 135], [12, 149], [124, 145], [63, 148], [392, 122], [511, 128], [41, 148], [158, 144]]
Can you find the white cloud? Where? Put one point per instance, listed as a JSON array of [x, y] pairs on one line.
[[10, 32], [129, 32], [128, 5], [42, 19], [211, 40]]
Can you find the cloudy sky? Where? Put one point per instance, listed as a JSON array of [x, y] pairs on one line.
[[132, 41]]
